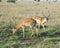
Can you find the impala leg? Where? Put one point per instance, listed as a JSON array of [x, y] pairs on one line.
[[37, 31], [23, 32], [32, 32], [43, 27], [32, 28], [39, 27]]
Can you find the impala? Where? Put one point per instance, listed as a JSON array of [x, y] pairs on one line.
[[41, 20], [26, 22]]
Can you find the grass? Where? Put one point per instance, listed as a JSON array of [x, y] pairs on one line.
[[11, 13]]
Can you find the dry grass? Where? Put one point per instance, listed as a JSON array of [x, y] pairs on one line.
[[29, 9], [11, 13]]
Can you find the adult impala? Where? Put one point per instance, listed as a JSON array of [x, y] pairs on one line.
[[26, 22], [41, 20]]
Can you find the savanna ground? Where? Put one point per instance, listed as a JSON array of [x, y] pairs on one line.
[[11, 13]]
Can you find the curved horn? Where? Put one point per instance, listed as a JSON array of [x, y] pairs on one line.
[[49, 13], [43, 14]]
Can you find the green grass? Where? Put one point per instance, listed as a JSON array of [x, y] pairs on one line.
[[11, 13]]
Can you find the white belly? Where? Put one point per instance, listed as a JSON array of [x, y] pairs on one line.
[[38, 21], [27, 24]]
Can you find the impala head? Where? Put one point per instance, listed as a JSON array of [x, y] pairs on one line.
[[14, 30], [46, 18]]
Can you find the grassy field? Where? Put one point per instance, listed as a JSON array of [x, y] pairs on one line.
[[11, 13]]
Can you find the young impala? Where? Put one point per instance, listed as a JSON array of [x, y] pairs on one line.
[[41, 20], [26, 22]]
